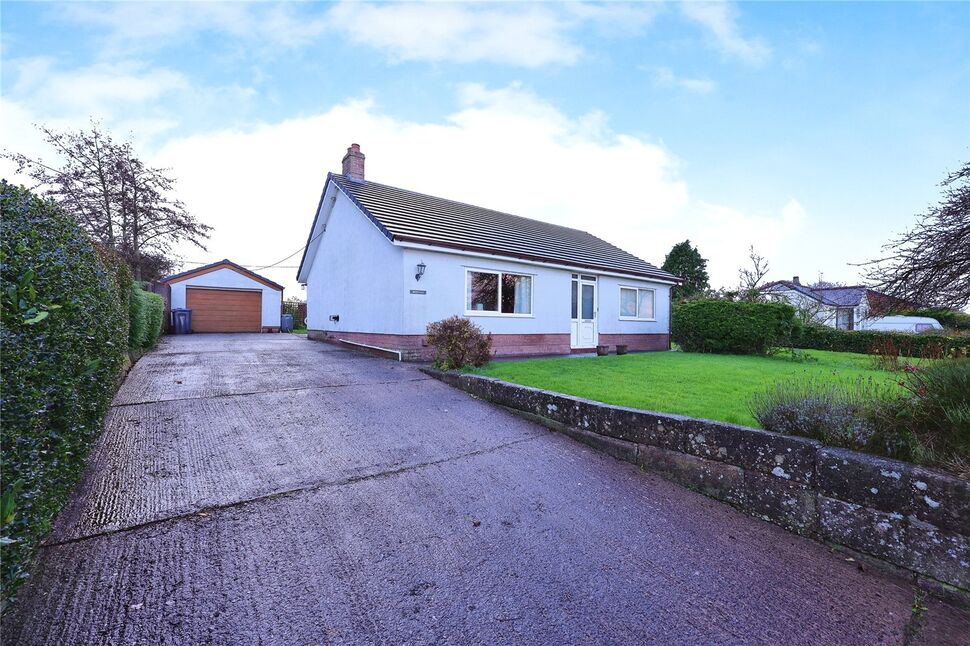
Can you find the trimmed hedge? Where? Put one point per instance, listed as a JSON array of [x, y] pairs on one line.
[[821, 337], [64, 331], [147, 312], [732, 327]]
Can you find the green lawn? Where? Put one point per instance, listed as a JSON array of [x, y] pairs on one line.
[[699, 385]]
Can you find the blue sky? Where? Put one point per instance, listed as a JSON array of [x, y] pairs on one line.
[[814, 131]]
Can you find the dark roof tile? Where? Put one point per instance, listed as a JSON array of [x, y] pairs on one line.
[[415, 217]]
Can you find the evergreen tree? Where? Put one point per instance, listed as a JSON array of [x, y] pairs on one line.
[[685, 261]]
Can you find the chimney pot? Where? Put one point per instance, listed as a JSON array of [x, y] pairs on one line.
[[795, 280], [353, 164]]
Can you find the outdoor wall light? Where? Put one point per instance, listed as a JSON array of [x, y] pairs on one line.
[[421, 267]]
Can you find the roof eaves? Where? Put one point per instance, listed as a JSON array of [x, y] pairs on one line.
[[659, 275], [316, 216]]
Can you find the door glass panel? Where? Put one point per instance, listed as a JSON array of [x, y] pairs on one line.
[[575, 307], [588, 302]]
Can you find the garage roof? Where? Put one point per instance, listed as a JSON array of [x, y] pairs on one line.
[[222, 264]]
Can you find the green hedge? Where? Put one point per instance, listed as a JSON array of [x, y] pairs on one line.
[[147, 312], [64, 331], [821, 337], [732, 327]]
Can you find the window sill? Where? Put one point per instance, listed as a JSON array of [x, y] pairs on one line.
[[633, 318], [484, 313]]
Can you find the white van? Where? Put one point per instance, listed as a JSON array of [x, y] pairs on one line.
[[899, 324]]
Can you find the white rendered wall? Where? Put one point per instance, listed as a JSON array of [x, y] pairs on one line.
[[227, 278], [356, 275], [444, 284]]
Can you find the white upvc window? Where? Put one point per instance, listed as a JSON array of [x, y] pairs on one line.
[[497, 293], [637, 304]]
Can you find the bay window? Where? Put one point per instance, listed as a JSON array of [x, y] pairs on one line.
[[497, 293]]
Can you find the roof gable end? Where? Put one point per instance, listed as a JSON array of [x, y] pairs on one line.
[[215, 266]]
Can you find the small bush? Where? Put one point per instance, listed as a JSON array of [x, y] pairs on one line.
[[732, 327], [64, 332], [822, 337], [458, 342], [938, 411], [837, 414], [888, 351]]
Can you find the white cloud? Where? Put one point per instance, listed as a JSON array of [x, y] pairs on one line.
[[665, 77], [503, 148], [124, 96], [138, 26], [724, 234], [102, 88], [720, 20], [531, 36]]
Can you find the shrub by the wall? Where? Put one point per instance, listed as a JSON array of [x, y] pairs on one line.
[[147, 311], [732, 327], [458, 342], [63, 330], [822, 337], [923, 418], [835, 413]]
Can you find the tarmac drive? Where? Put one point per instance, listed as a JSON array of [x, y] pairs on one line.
[[266, 489]]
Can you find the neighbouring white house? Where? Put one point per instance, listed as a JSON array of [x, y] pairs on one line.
[[382, 262], [854, 307], [225, 297]]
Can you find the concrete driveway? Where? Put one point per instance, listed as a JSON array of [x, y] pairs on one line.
[[271, 490]]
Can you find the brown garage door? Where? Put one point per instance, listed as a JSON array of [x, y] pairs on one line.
[[224, 310]]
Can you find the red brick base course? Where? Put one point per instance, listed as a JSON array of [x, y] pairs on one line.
[[412, 347], [637, 342]]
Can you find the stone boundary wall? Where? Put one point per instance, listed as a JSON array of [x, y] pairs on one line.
[[895, 512]]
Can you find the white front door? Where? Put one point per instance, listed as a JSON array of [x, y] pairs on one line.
[[583, 332]]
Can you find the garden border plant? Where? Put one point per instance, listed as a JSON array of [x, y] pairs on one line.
[[458, 342]]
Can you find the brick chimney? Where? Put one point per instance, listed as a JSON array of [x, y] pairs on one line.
[[794, 278], [354, 164]]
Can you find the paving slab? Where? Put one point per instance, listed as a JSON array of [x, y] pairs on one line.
[[401, 511]]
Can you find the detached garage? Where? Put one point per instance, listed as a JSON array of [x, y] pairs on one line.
[[225, 297]]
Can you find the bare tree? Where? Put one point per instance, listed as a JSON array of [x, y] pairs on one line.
[[751, 277], [119, 200], [930, 264]]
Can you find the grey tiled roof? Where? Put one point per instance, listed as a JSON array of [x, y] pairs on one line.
[[835, 296], [843, 296], [414, 217]]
